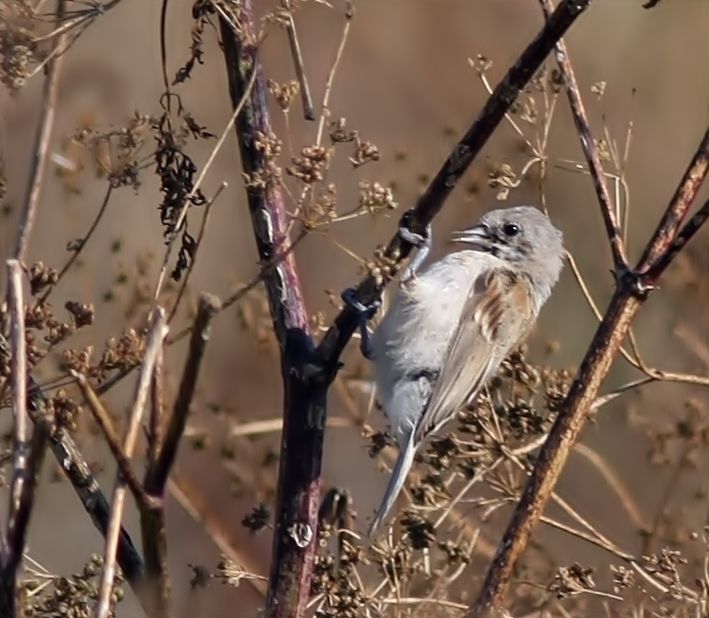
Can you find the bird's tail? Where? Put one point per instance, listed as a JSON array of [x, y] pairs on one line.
[[396, 483]]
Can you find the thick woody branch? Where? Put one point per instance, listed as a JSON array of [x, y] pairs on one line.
[[298, 493], [628, 297], [465, 151], [590, 150]]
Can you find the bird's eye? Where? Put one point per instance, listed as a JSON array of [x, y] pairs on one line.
[[511, 229]]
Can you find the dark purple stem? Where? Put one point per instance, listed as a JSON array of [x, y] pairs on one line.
[[298, 493]]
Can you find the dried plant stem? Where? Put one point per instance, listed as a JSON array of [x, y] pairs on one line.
[[615, 483], [590, 150], [75, 255], [298, 492], [157, 474], [653, 374], [27, 462], [40, 150], [103, 419], [630, 293], [325, 111], [308, 110], [158, 331], [255, 428], [667, 239], [78, 473], [191, 501], [198, 244], [680, 240], [238, 106], [152, 520], [157, 405]]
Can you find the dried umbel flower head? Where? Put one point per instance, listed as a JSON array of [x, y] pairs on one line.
[[375, 198], [283, 93], [41, 276], [311, 164], [573, 580], [17, 47]]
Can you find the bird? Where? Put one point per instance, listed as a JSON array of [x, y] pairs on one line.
[[452, 324]]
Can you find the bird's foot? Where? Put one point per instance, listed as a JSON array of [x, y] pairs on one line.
[[422, 242], [364, 314]]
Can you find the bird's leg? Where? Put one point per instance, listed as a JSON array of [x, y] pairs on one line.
[[364, 314], [422, 242]]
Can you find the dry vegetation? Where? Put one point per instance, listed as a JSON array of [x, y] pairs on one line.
[[123, 363]]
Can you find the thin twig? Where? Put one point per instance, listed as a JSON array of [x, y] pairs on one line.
[[79, 475], [255, 428], [615, 483], [681, 239], [75, 254], [660, 252], [325, 110], [18, 377], [152, 521], [103, 420], [308, 110], [192, 503], [157, 405], [590, 150], [158, 331]]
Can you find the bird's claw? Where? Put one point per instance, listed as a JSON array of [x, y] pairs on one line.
[[413, 238], [364, 314], [422, 242]]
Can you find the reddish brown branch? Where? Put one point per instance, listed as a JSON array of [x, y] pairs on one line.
[[298, 493], [680, 240], [667, 229], [590, 150], [629, 296]]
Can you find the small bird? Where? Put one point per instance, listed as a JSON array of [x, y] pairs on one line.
[[451, 326]]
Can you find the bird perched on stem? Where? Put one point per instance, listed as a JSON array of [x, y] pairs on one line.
[[451, 325]]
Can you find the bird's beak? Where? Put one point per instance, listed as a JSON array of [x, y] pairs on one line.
[[479, 236]]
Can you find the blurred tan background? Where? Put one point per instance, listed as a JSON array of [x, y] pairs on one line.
[[405, 84]]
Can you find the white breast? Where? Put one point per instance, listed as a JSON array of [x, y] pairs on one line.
[[414, 335]]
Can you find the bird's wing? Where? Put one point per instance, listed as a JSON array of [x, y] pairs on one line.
[[486, 331]]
